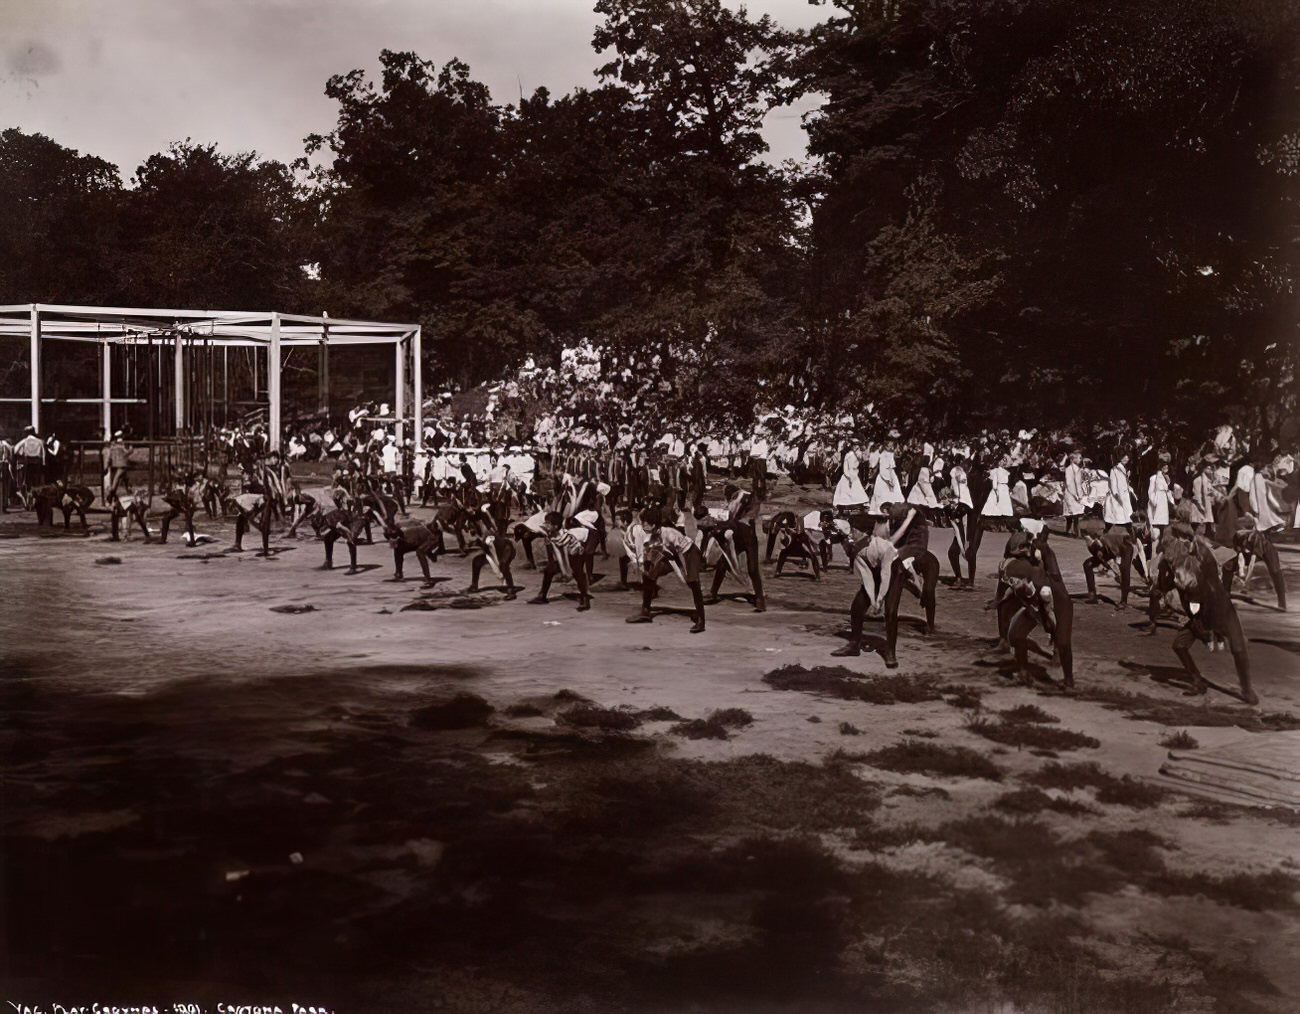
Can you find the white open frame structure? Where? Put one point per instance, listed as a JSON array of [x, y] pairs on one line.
[[274, 332]]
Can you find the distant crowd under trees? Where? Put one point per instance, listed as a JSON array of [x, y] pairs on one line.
[[1058, 209]]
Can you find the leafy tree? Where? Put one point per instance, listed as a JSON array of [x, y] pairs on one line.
[[1114, 179], [206, 229], [405, 199], [60, 227]]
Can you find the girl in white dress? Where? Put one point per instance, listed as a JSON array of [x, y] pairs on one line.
[[1118, 509], [998, 504], [888, 489], [922, 494], [1073, 508], [1159, 500], [849, 491]]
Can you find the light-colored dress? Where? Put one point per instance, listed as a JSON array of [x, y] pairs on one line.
[[1267, 506], [923, 489], [849, 491], [887, 489], [1202, 503], [960, 487], [1158, 499], [1073, 503], [1118, 509], [998, 504]]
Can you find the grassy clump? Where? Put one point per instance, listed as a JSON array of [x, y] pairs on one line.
[[1145, 708], [1035, 736], [464, 711], [1123, 791], [845, 684], [1256, 892], [715, 726], [658, 714], [922, 757], [593, 716], [1027, 801], [1027, 714], [967, 698], [1180, 740], [757, 792]]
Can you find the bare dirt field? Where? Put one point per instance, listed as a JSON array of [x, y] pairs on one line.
[[405, 799]]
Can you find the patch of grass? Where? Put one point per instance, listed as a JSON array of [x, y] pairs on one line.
[[848, 729], [1036, 736], [920, 792], [1123, 791], [1180, 740], [1233, 982], [464, 711], [593, 716], [758, 792], [699, 728], [963, 697], [1027, 801], [921, 733], [1133, 851], [659, 714], [1145, 708], [878, 837], [1256, 892], [845, 684], [715, 726], [1131, 792], [1216, 813], [731, 718], [916, 756], [998, 838], [1028, 714]]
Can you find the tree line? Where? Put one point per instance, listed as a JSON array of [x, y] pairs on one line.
[[1065, 210]]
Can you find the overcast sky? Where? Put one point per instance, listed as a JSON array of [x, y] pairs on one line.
[[122, 79]]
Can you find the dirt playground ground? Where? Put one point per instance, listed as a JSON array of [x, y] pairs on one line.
[[244, 780]]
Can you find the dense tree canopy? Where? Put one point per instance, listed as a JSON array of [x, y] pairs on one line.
[[1074, 209]]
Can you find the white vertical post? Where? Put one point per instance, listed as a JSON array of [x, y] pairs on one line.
[[36, 367], [399, 385], [178, 387], [273, 381], [323, 369], [417, 391], [106, 388]]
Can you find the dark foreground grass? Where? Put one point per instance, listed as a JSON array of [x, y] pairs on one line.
[[715, 726], [1023, 735], [924, 757], [1164, 711], [593, 716], [1180, 740], [845, 684], [597, 874], [463, 711], [747, 795], [1030, 714], [1123, 791], [1030, 801]]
